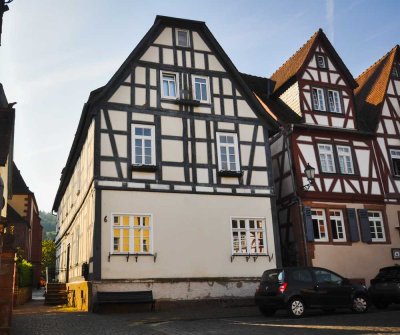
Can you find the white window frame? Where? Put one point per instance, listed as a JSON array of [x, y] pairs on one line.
[[248, 230], [323, 65], [142, 138], [394, 155], [374, 224], [339, 223], [187, 38], [131, 228], [176, 82], [207, 89], [324, 224], [228, 145], [346, 158], [334, 101], [326, 154], [319, 103]]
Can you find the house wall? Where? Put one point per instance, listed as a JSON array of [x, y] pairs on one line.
[[75, 215], [4, 175], [191, 238]]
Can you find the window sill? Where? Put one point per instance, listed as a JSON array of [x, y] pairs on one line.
[[227, 173], [136, 255], [329, 113], [144, 168], [251, 255]]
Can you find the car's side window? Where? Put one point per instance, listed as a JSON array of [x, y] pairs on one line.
[[327, 277], [301, 276]]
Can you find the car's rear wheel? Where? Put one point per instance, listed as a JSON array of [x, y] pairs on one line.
[[296, 307], [359, 304], [267, 311], [381, 304]]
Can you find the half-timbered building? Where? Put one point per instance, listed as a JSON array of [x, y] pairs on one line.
[[338, 218], [378, 101], [168, 184]]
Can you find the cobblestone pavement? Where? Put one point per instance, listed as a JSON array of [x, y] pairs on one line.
[[34, 318]]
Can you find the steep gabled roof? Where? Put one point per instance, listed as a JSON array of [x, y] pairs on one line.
[[102, 94], [14, 217], [262, 88], [371, 90], [18, 183], [290, 69]]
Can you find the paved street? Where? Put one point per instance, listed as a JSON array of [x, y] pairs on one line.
[[34, 318]]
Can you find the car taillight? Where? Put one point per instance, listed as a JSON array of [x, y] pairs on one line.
[[282, 287]]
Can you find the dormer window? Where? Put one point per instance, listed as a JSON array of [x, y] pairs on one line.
[[321, 61], [182, 38]]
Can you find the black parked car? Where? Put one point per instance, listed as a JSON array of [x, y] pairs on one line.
[[385, 287], [299, 288]]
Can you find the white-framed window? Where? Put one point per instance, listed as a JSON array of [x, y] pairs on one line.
[[334, 101], [337, 225], [143, 145], [319, 225], [248, 235], [321, 61], [228, 152], [169, 88], [326, 158], [182, 38], [345, 159], [201, 89], [318, 99], [131, 233], [376, 226], [395, 156]]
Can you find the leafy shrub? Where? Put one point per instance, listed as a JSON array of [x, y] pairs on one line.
[[25, 273]]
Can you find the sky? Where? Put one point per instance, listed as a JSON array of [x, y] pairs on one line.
[[54, 53]]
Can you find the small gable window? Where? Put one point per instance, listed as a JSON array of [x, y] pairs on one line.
[[395, 72], [395, 156], [318, 99], [200, 88], [182, 38], [169, 85], [321, 61], [334, 101]]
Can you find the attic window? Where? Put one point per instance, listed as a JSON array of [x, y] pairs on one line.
[[182, 38], [395, 73], [321, 61]]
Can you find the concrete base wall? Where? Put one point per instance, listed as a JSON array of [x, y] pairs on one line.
[[185, 289], [80, 295]]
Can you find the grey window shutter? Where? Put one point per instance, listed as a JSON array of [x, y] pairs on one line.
[[353, 228], [308, 225], [364, 225]]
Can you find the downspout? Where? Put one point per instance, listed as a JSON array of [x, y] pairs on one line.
[[286, 132]]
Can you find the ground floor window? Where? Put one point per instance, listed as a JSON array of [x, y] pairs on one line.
[[248, 236], [131, 233], [376, 226], [319, 224]]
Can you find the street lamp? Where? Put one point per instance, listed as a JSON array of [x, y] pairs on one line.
[[310, 173]]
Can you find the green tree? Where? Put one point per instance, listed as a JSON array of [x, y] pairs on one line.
[[48, 222], [48, 255]]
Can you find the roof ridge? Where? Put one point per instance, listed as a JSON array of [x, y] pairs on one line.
[[313, 36]]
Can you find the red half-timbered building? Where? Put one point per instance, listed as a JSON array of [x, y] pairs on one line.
[[340, 218], [378, 101]]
